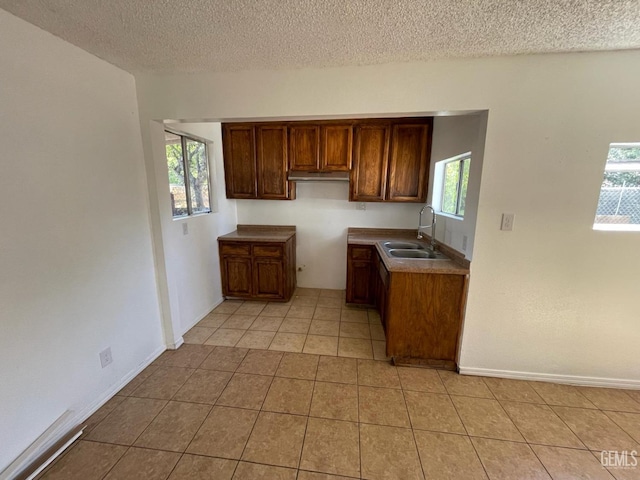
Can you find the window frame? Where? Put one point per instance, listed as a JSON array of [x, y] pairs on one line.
[[462, 158], [184, 138], [615, 227]]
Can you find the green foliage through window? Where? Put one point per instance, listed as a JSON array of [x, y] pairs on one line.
[[456, 180], [192, 197]]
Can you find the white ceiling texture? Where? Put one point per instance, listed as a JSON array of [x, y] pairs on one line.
[[165, 36]]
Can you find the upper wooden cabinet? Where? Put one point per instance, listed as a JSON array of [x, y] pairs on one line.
[[391, 161], [271, 149], [304, 147], [388, 158], [255, 161], [409, 162], [240, 176], [371, 159], [320, 147], [336, 142]]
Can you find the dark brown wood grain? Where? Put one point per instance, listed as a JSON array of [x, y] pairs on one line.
[[336, 147], [368, 181], [304, 147], [409, 162], [258, 269], [359, 284], [271, 151], [238, 141]]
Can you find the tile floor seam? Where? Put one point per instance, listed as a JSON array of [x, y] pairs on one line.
[[306, 426], [486, 472], [559, 418], [620, 426]]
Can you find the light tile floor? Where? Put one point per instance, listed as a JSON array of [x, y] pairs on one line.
[[227, 412], [314, 321]]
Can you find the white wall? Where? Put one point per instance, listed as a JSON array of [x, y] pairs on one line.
[[453, 136], [191, 261], [322, 213], [76, 265], [552, 297]]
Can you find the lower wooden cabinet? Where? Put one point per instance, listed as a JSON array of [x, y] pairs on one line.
[[421, 312], [360, 285], [260, 270]]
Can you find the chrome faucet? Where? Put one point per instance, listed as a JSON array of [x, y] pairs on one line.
[[432, 226]]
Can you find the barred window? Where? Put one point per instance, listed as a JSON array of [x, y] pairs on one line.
[[619, 203], [187, 159]]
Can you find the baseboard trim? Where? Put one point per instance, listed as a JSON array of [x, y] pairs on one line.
[[201, 316], [68, 421], [549, 377]]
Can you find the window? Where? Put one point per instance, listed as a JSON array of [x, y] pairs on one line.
[[455, 179], [619, 204], [189, 197]]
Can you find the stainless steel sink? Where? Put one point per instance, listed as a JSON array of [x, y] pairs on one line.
[[403, 245], [414, 253]]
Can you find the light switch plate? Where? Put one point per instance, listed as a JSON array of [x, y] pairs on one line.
[[185, 228], [105, 357]]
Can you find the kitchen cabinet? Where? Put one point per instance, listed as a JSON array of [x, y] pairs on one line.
[[368, 181], [258, 270], [336, 147], [255, 161], [360, 284], [392, 161], [421, 302], [240, 174], [409, 162], [388, 159], [271, 143], [320, 147], [304, 147]]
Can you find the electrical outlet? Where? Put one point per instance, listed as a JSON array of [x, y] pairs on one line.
[[361, 206], [185, 228], [105, 357], [507, 222], [464, 242]]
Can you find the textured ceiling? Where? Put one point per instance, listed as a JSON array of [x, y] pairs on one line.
[[226, 35]]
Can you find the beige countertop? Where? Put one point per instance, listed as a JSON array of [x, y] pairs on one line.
[[455, 265], [260, 233]]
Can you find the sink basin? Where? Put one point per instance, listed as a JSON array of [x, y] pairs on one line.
[[415, 253], [403, 245]]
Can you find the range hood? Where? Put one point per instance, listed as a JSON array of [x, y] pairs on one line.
[[319, 176]]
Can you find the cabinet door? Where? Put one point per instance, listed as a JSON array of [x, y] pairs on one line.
[[271, 152], [336, 148], [268, 278], [239, 161], [359, 285], [369, 175], [409, 162], [304, 148], [236, 276]]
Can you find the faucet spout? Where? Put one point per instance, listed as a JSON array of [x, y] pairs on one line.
[[432, 226]]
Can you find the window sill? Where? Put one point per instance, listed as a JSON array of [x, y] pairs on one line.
[[611, 227], [451, 216]]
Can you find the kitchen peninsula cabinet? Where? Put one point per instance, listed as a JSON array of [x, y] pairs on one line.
[[258, 262], [421, 301]]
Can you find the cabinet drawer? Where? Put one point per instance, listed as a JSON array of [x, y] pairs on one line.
[[235, 248], [267, 250], [361, 253]]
